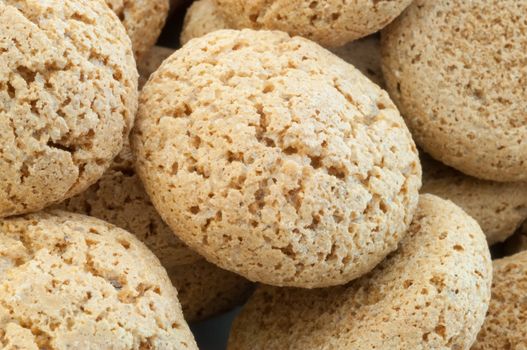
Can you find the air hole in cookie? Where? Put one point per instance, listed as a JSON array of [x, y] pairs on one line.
[[441, 330], [313, 4], [268, 88], [69, 149], [290, 150], [11, 90], [195, 141], [458, 248], [232, 157], [407, 284], [316, 162], [175, 168], [194, 209], [26, 74], [335, 16], [338, 173], [124, 243]]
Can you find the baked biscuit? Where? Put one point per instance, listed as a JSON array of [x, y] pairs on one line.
[[498, 207], [70, 281], [456, 71], [202, 17], [331, 23], [68, 96], [504, 326], [275, 159], [432, 293]]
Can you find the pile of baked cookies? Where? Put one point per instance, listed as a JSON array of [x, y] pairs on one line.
[[278, 145]]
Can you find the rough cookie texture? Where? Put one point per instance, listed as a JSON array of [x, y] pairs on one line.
[[504, 326], [275, 159], [331, 23], [432, 293], [151, 62], [456, 70], [70, 281], [202, 17], [143, 21], [68, 96], [498, 207]]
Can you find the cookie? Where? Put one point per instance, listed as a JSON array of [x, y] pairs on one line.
[[70, 281], [151, 62], [331, 23], [275, 159], [498, 207], [456, 71], [119, 198], [68, 96], [432, 293], [504, 326], [202, 17], [143, 21]]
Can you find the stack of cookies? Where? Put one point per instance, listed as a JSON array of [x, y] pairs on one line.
[[346, 170]]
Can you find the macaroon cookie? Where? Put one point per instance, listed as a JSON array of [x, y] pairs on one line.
[[143, 21], [68, 96], [275, 159], [456, 71], [432, 293], [119, 198], [202, 17], [499, 207], [504, 326], [331, 23], [71, 281]]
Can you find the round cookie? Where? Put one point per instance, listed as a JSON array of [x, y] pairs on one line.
[[456, 71], [143, 21], [331, 23], [151, 62], [119, 198], [432, 293], [498, 207], [275, 159], [68, 96], [70, 281], [202, 17], [504, 326]]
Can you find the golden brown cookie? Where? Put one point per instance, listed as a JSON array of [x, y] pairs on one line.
[[456, 71], [70, 281], [331, 23], [498, 207], [202, 17], [275, 159], [505, 324], [68, 96], [143, 21], [432, 293], [151, 62]]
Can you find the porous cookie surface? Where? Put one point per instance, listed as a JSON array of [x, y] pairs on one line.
[[71, 281], [498, 207], [432, 293], [275, 159], [143, 21], [151, 62], [504, 326], [331, 23], [68, 96], [202, 17], [456, 71]]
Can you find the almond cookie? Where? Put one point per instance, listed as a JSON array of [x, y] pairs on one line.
[[68, 96], [498, 207], [143, 21], [457, 73], [505, 324], [119, 198], [202, 17], [151, 62], [275, 159], [432, 293], [70, 281], [331, 23]]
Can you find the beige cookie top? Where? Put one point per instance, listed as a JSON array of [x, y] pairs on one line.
[[70, 281], [151, 62], [68, 96], [202, 17], [456, 70], [504, 326], [143, 21], [432, 293], [498, 207], [275, 159], [331, 23]]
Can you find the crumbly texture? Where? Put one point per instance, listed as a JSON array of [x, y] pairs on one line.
[[275, 159], [143, 21], [499, 207], [504, 326], [70, 281], [205, 290], [331, 23], [456, 70], [202, 17], [68, 96], [151, 62], [432, 293]]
